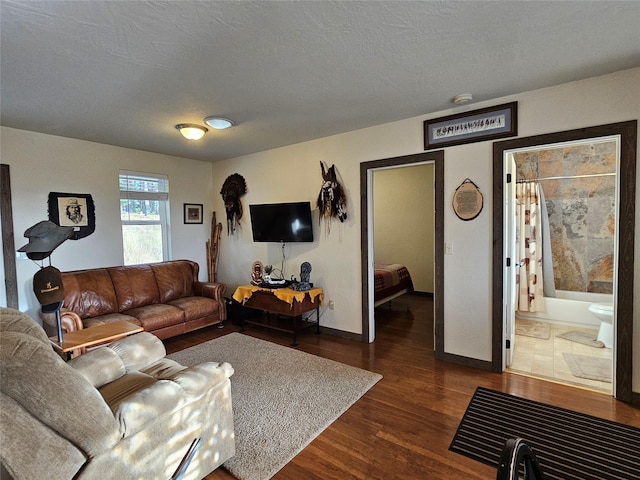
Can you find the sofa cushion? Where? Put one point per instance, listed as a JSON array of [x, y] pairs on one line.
[[153, 317], [99, 366], [135, 286], [89, 293], [139, 350], [123, 387], [39, 380], [196, 307], [104, 365], [111, 317], [175, 279], [28, 449], [164, 368], [15, 321]]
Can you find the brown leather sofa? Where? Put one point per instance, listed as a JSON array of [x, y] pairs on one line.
[[165, 298]]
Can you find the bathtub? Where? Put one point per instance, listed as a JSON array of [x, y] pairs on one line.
[[570, 308]]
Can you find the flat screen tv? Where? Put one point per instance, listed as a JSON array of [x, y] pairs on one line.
[[281, 222]]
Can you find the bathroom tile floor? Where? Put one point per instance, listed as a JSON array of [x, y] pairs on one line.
[[543, 358]]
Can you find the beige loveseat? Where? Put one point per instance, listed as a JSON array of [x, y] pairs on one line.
[[117, 412], [165, 298]]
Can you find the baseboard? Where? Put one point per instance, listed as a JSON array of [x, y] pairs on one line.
[[466, 361], [421, 294], [635, 399], [341, 333]]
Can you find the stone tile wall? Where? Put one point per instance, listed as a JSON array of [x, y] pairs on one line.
[[581, 211]]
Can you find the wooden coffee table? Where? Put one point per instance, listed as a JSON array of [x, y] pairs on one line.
[[89, 337]]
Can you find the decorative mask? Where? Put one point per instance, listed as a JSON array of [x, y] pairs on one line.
[[232, 189], [332, 201]]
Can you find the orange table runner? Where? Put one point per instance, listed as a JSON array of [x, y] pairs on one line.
[[244, 292]]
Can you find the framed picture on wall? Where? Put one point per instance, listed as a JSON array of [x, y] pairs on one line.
[[475, 126], [73, 210], [193, 213]]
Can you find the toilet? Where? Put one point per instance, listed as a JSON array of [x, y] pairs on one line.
[[604, 312]]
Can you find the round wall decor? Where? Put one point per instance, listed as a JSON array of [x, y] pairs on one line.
[[467, 200]]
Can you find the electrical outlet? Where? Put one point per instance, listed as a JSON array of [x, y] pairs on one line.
[[21, 255], [332, 304], [448, 248]]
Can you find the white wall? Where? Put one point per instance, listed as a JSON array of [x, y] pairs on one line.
[[403, 221], [40, 164], [293, 173]]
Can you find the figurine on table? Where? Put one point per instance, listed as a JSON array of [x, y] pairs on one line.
[[305, 276], [256, 273]]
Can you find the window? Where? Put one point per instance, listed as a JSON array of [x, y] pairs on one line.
[[144, 199]]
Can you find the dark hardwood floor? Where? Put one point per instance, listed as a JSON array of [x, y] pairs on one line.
[[402, 427]]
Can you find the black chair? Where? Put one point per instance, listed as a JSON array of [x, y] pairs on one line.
[[515, 453]]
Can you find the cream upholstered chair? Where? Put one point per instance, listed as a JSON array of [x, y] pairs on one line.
[[118, 412]]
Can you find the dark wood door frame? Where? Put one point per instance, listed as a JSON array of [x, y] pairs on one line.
[[626, 225], [8, 243], [437, 157]]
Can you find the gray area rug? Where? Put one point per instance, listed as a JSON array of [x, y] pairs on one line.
[[591, 368], [531, 328], [584, 338], [282, 398]]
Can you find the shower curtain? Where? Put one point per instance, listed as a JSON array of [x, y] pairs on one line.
[[547, 258], [529, 246]]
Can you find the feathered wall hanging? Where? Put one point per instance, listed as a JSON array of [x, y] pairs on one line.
[[332, 201], [232, 189]]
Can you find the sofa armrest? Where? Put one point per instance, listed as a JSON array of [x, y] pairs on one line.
[[198, 379], [71, 321], [163, 396], [210, 290], [159, 398]]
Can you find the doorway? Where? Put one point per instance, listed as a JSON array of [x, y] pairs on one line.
[[367, 257], [403, 220], [562, 200], [623, 278]]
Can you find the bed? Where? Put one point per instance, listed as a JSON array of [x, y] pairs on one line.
[[390, 281]]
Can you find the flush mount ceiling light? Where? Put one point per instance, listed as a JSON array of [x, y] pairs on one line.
[[191, 131], [218, 123], [462, 99]]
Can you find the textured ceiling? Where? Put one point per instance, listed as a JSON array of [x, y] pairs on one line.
[[125, 72]]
